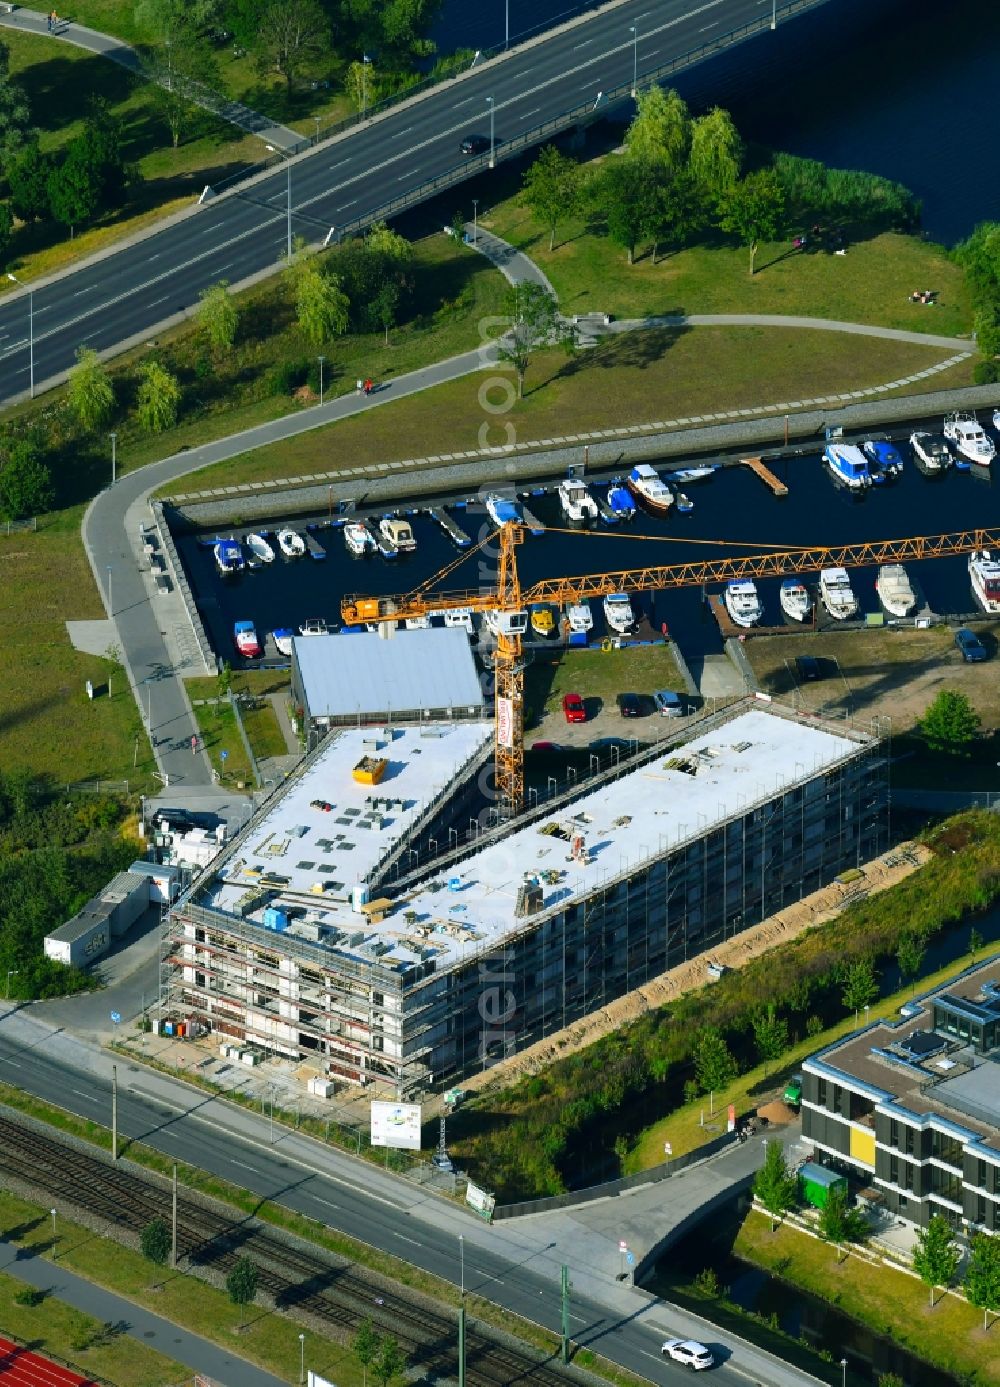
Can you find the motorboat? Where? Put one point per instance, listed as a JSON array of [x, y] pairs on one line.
[[417, 623], [314, 626], [259, 549], [984, 575], [895, 590], [399, 533], [743, 602], [580, 617], [694, 474], [930, 452], [620, 502], [245, 636], [996, 419], [684, 503], [848, 465], [382, 542], [543, 622], [228, 556], [969, 439], [502, 511], [649, 488], [359, 539], [618, 612], [578, 506], [795, 600], [283, 638], [837, 594], [884, 461], [291, 544], [459, 618]]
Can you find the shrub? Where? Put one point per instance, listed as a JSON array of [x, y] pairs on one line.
[[289, 375], [986, 372]]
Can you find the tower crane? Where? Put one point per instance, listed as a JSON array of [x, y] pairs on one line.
[[510, 602]]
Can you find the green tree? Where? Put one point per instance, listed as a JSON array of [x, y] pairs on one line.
[[175, 71], [25, 482], [753, 210], [950, 723], [103, 141], [91, 393], [113, 655], [910, 955], [27, 178], [982, 1276], [6, 227], [774, 1184], [625, 194], [839, 1222], [73, 187], [976, 942], [890, 1380], [386, 306], [716, 154], [157, 398], [361, 81], [714, 1065], [533, 317], [365, 1345], [176, 21], [673, 211], [241, 1284], [552, 189], [936, 1255], [860, 985], [15, 114], [770, 1034], [389, 1362], [660, 133], [292, 38], [322, 309], [218, 316], [388, 245], [155, 1241]]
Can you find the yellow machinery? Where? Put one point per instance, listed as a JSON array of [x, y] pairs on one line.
[[507, 606]]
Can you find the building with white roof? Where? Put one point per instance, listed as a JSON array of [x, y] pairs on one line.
[[359, 923]]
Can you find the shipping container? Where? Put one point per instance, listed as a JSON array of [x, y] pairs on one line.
[[816, 1182]]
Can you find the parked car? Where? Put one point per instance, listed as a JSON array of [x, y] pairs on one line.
[[475, 144], [629, 705], [807, 667], [545, 746], [689, 1352], [970, 645], [669, 704], [574, 709]]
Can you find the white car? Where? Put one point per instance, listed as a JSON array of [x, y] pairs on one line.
[[688, 1352]]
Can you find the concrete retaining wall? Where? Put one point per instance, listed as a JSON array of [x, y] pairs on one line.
[[183, 587]]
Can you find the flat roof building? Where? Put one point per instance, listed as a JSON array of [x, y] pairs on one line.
[[912, 1107], [355, 920]]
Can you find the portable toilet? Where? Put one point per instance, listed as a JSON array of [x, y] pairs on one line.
[[816, 1182]]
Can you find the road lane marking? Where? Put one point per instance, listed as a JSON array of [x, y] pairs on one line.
[[89, 1096], [531, 113], [403, 1238], [243, 1165]]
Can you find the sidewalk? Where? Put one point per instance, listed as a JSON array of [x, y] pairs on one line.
[[173, 1341]]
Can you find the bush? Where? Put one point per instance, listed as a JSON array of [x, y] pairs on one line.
[[155, 1241], [290, 375], [30, 1296], [986, 372]]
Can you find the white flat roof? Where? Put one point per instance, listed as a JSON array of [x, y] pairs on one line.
[[364, 673]]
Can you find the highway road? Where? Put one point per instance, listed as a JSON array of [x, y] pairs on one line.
[[132, 291], [397, 1218]]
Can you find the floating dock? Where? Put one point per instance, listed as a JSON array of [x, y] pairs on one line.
[[532, 521], [609, 516], [316, 550], [451, 528], [766, 475]]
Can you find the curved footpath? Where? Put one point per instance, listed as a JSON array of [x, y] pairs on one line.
[[154, 633], [105, 46]]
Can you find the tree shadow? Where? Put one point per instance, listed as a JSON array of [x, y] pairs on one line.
[[635, 350]]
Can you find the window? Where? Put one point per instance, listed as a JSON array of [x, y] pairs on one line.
[[908, 1147], [907, 1176], [821, 1092], [894, 1133], [894, 1169]]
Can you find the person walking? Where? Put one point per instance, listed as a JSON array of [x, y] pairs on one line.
[[369, 386], [360, 385], [48, 21]]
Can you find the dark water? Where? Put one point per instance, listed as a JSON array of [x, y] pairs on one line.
[[733, 507], [904, 88]]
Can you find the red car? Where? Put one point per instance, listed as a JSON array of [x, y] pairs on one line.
[[573, 708]]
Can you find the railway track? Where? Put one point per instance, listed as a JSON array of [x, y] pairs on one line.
[[329, 1289]]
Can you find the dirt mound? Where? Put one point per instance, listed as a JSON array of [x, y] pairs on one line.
[[777, 1113]]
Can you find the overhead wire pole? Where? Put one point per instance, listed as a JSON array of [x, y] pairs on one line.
[[173, 1222], [114, 1112]]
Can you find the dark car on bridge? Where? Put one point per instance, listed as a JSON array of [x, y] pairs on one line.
[[475, 144]]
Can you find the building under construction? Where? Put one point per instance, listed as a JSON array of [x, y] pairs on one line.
[[353, 925]]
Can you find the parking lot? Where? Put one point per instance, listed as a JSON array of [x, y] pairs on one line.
[[598, 676]]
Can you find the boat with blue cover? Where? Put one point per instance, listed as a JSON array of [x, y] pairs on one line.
[[884, 461], [620, 501], [501, 511], [848, 465], [228, 555]]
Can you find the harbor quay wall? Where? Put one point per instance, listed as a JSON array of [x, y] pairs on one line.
[[699, 438]]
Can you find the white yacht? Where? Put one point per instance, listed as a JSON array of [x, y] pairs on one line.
[[580, 617], [358, 538], [417, 623], [399, 533], [895, 590], [283, 637], [837, 594], [460, 617], [930, 452], [742, 602], [649, 489], [259, 547], [501, 511], [618, 612], [966, 434], [984, 575], [795, 600], [314, 626], [291, 544], [578, 506]]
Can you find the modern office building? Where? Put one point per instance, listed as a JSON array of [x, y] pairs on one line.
[[360, 923], [912, 1108]]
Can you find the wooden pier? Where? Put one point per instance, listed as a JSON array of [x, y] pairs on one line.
[[532, 521], [453, 530], [316, 550], [766, 475]]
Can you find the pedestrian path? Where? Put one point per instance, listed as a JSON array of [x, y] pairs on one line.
[[106, 46], [200, 1355]]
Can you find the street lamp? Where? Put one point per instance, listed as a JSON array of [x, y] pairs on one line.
[[365, 60], [461, 1256], [111, 600], [321, 360], [475, 221], [843, 1372], [302, 1359], [316, 119], [489, 102], [774, 14], [506, 24], [635, 59], [11, 973], [114, 457], [31, 330]]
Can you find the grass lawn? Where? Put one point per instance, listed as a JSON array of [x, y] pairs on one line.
[[54, 1329], [217, 724], [597, 676], [870, 284], [643, 377], [950, 1335]]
